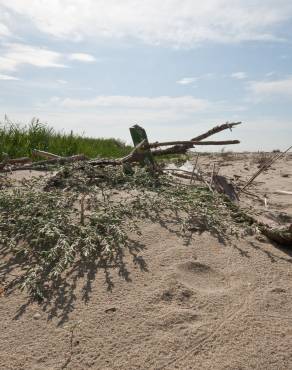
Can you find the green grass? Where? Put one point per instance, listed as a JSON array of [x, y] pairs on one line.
[[19, 140]]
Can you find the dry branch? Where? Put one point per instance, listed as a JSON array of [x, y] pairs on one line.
[[182, 149], [105, 162], [42, 165], [7, 161], [141, 152], [19, 160], [43, 154], [215, 130], [193, 143], [134, 156]]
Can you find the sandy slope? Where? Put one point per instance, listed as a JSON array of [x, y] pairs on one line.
[[177, 305]]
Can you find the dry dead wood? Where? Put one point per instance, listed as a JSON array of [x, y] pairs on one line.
[[182, 149], [42, 165], [222, 185], [18, 160], [191, 143], [138, 154], [43, 154], [134, 156], [283, 192], [11, 162], [264, 167], [215, 130], [281, 236], [178, 172]]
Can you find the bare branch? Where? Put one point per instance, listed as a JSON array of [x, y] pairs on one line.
[[193, 143]]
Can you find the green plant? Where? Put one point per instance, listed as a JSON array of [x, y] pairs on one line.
[[86, 216], [19, 140]]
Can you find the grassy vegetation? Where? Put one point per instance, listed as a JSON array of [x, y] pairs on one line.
[[18, 140]]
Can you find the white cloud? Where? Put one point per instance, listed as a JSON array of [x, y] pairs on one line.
[[266, 89], [4, 31], [239, 75], [161, 103], [176, 22], [62, 82], [15, 55], [191, 80], [82, 57], [187, 80], [8, 78], [270, 74]]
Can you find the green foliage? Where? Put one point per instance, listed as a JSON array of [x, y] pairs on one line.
[[18, 141], [85, 214]]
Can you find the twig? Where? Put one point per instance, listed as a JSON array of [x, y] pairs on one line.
[[284, 192], [82, 208], [212, 174], [131, 157], [264, 167], [71, 346], [194, 168]]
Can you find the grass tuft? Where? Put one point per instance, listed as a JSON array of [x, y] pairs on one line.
[[18, 140]]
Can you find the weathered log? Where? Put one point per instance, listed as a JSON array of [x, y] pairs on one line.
[[43, 154], [105, 162], [222, 185], [38, 165], [18, 160], [142, 153], [13, 161], [281, 236]]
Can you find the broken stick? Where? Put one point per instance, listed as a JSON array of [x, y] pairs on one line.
[[264, 167]]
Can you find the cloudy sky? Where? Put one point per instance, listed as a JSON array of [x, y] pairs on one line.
[[177, 67]]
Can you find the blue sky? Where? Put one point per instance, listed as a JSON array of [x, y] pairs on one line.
[[177, 67]]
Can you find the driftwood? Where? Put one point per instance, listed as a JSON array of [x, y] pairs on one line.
[[193, 143], [47, 155], [42, 165], [134, 156], [222, 185], [178, 172], [141, 153], [283, 192], [14, 161], [18, 160], [215, 130], [281, 236], [182, 149]]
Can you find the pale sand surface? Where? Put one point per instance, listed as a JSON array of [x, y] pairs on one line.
[[203, 305]]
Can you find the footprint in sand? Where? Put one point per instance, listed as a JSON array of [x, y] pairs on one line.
[[201, 277]]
